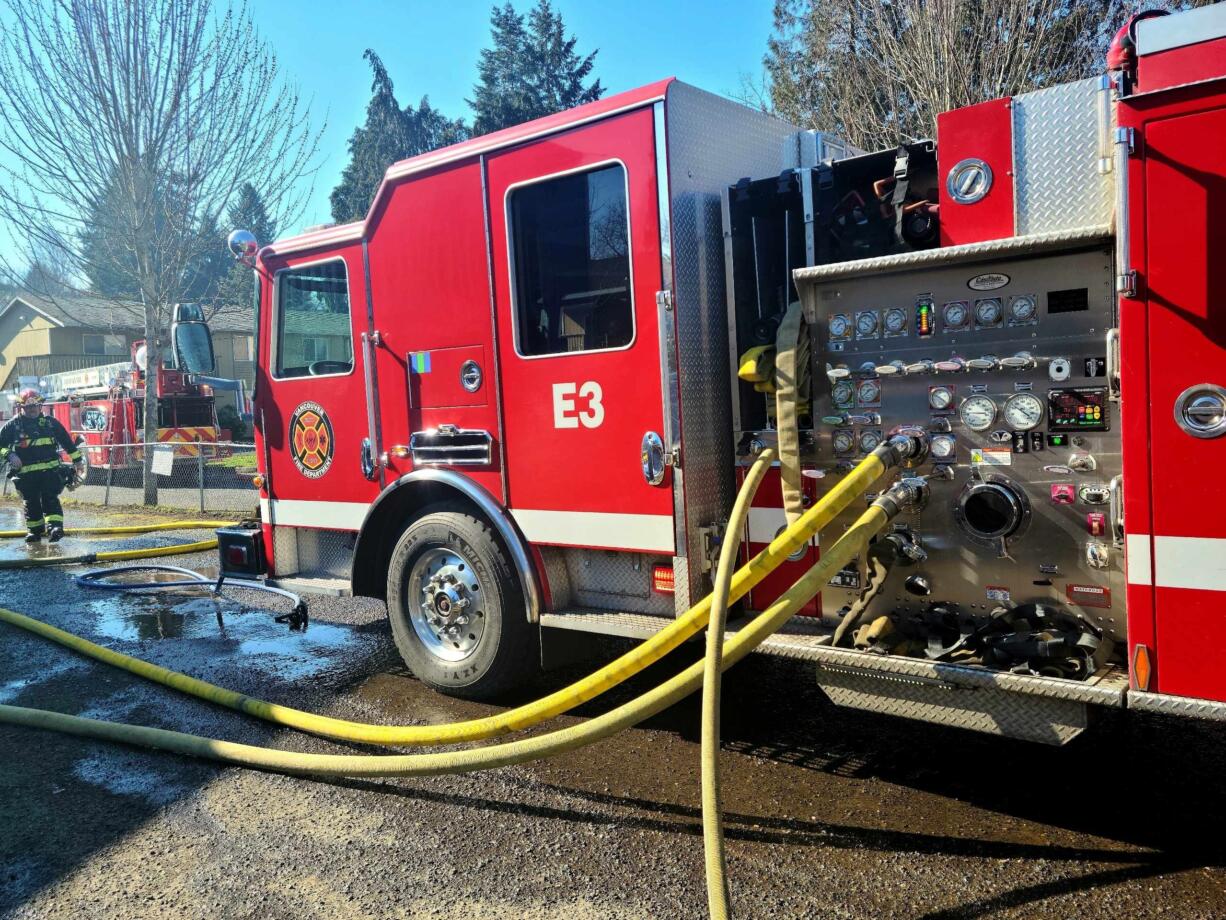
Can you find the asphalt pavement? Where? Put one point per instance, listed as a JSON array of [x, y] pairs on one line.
[[830, 814]]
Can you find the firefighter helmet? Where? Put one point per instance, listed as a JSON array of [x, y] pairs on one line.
[[29, 397]]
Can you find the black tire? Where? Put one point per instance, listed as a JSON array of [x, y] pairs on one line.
[[487, 646]]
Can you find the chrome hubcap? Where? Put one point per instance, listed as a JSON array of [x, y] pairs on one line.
[[445, 603]]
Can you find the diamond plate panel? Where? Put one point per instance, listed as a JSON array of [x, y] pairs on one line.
[[996, 712], [613, 581], [1177, 705], [712, 142], [1058, 182], [807, 278], [312, 553]]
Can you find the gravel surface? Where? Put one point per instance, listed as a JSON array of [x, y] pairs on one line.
[[830, 814]]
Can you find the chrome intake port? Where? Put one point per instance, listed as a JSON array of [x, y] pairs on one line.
[[992, 510]]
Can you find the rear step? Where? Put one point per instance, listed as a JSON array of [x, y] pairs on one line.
[[305, 584], [1049, 710]]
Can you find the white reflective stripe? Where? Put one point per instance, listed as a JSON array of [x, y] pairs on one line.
[[1198, 563], [1188, 28], [648, 532], [1140, 571], [327, 515], [765, 523]]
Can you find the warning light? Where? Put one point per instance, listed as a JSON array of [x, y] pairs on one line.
[[662, 579], [257, 481], [923, 317]]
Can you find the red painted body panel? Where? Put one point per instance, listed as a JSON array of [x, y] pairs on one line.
[[592, 469], [770, 495], [1182, 195], [985, 132], [1177, 66], [430, 288]]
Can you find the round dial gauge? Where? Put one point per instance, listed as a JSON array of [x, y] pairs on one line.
[[843, 442], [988, 312], [977, 413], [869, 440], [869, 391], [955, 314], [895, 320], [866, 322], [1023, 411], [843, 393], [940, 397], [943, 447], [840, 326], [1022, 309]]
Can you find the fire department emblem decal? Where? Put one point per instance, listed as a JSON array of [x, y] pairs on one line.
[[311, 440]]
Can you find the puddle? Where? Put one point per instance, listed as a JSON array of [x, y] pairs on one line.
[[128, 775], [246, 636], [14, 688]]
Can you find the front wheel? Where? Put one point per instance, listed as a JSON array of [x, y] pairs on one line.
[[456, 609]]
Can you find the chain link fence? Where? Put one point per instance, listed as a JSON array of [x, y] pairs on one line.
[[199, 476]]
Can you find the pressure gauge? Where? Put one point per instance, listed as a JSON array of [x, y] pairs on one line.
[[868, 393], [843, 394], [1022, 308], [988, 312], [943, 447], [895, 320], [977, 412], [955, 314], [840, 326], [1023, 411], [843, 441], [866, 322], [940, 398], [868, 440]]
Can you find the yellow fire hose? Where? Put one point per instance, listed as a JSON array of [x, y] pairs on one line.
[[712, 810], [131, 528], [852, 486], [484, 758], [114, 556]]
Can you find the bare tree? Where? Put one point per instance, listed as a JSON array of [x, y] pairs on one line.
[[879, 73], [128, 126]]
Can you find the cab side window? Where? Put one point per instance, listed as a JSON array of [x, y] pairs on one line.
[[314, 334], [570, 246]]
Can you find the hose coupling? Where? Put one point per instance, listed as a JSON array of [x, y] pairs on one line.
[[906, 447], [909, 495]]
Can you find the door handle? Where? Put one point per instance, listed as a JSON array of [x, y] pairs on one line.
[[1200, 411], [653, 458]]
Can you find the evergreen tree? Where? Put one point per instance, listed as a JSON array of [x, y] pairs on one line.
[[236, 288], [389, 133], [531, 70]]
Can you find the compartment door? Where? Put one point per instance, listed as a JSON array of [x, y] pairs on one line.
[[1186, 233], [576, 242]]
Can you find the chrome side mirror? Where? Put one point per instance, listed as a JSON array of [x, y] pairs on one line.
[[243, 246]]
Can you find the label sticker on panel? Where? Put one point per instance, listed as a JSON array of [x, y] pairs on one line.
[[992, 456], [998, 593], [1088, 595]]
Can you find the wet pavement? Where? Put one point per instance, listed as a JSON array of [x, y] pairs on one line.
[[830, 814]]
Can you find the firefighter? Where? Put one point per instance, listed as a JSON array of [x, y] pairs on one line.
[[31, 442]]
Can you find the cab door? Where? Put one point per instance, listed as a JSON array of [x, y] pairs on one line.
[[576, 240]]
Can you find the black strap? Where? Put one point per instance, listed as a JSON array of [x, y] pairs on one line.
[[902, 162], [823, 206]]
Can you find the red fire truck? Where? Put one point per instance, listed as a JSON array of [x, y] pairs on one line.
[[103, 406], [518, 396]]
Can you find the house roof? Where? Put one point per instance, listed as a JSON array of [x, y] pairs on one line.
[[101, 314]]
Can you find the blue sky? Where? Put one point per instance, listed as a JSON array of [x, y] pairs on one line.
[[431, 48]]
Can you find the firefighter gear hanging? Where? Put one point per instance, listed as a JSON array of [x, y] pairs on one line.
[[31, 443]]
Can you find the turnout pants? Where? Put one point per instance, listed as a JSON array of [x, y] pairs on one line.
[[41, 491]]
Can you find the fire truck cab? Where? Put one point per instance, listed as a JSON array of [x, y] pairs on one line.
[[519, 394]]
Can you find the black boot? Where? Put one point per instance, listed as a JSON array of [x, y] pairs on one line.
[[34, 538], [55, 534]]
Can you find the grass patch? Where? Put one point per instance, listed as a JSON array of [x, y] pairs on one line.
[[235, 462]]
